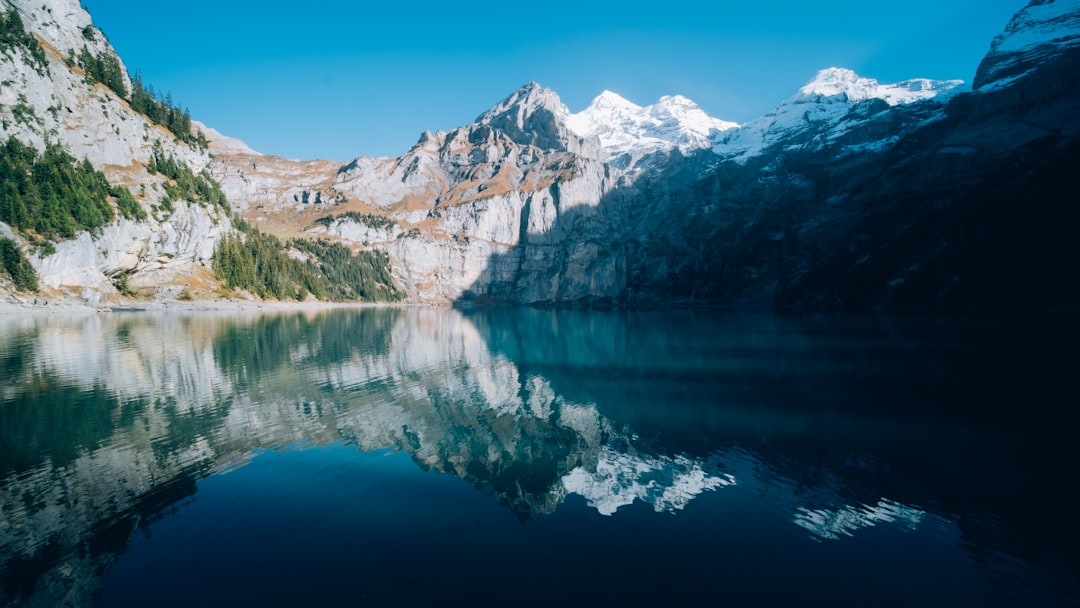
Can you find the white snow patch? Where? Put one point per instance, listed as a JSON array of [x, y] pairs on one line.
[[826, 101], [668, 484], [1058, 20], [846, 85], [623, 126]]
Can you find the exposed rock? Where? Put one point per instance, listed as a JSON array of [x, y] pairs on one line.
[[92, 122]]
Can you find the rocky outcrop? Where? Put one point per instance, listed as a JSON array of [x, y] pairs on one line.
[[467, 211], [535, 116], [56, 104]]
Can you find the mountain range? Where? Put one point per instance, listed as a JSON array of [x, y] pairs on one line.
[[849, 195]]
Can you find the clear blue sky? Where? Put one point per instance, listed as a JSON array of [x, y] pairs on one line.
[[342, 79]]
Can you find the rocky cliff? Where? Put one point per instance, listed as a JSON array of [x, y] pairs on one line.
[[54, 102]]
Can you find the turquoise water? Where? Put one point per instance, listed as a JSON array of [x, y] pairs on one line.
[[537, 457]]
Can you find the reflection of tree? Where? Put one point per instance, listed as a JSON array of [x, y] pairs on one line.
[[55, 422], [265, 344]]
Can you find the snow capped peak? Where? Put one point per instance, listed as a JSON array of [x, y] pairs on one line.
[[623, 126], [831, 82], [1039, 22], [613, 101], [676, 101], [1042, 28], [822, 110], [846, 85]]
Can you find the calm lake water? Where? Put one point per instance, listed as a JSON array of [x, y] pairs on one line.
[[526, 457]]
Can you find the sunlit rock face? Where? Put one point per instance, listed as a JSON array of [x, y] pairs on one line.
[[475, 211], [56, 104]]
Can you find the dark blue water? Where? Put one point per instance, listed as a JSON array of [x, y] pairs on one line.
[[537, 457]]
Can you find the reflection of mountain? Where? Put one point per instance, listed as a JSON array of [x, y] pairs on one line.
[[844, 422], [528, 406]]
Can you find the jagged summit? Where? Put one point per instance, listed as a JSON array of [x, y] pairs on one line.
[[1041, 29], [532, 115], [846, 85], [526, 99]]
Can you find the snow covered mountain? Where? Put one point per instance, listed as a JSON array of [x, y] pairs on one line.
[[626, 130], [1041, 31], [835, 102]]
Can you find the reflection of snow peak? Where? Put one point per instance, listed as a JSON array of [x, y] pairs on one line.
[[827, 523], [668, 484]]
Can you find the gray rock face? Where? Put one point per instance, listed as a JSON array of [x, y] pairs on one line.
[[475, 211], [56, 105], [535, 116]]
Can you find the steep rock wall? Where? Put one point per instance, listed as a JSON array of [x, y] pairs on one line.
[[55, 104]]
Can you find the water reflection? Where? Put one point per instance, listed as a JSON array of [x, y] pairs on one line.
[[109, 421], [832, 523]]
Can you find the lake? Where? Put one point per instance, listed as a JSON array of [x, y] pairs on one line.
[[534, 457]]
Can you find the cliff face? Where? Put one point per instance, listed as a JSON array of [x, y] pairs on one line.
[[962, 205], [456, 202], [55, 103]]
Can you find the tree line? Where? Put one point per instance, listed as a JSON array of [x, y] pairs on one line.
[[54, 196], [185, 184], [106, 69], [13, 35], [164, 112], [259, 263], [17, 266]]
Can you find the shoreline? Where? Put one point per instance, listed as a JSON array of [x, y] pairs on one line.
[[65, 306]]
